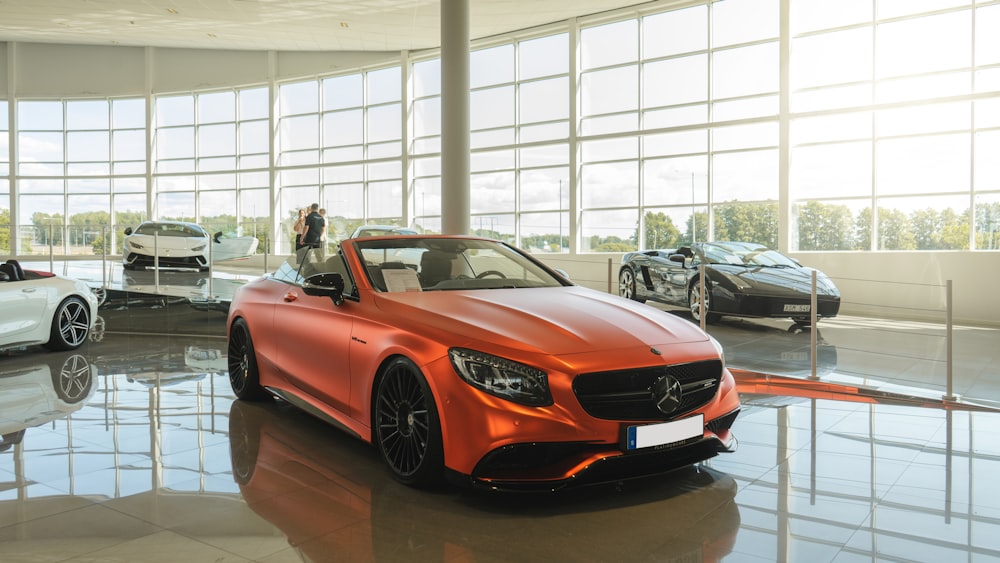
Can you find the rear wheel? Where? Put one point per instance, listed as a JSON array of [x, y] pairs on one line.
[[70, 325], [626, 285], [243, 374], [407, 428]]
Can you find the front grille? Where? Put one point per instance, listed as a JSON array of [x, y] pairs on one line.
[[627, 394]]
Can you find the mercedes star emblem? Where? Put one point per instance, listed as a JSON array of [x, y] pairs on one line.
[[666, 392]]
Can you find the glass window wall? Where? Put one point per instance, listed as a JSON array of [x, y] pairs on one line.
[[673, 136]]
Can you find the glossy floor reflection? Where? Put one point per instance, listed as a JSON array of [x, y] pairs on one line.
[[133, 448]]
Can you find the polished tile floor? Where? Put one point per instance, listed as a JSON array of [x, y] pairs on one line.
[[133, 449]]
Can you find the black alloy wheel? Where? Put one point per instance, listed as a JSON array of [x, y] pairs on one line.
[[70, 325], [407, 428], [243, 374]]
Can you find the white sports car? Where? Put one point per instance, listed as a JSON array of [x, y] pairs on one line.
[[43, 308], [180, 245]]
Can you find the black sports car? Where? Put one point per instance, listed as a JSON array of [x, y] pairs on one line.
[[744, 279]]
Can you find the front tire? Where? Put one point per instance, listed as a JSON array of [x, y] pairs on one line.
[[244, 376], [694, 304], [407, 427], [70, 325], [626, 285]]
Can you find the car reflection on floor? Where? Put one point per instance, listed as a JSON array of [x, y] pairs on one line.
[[327, 493], [40, 389], [146, 313], [161, 361], [772, 346]]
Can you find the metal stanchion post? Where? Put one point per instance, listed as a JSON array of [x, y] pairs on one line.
[[52, 266], [702, 282], [813, 329], [104, 257], [609, 275], [156, 260], [211, 270], [948, 344]]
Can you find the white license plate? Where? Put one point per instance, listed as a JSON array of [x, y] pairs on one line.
[[795, 356], [796, 308], [665, 433]]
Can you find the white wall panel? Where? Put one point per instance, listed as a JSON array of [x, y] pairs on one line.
[[184, 70], [295, 64], [3, 70], [67, 71]]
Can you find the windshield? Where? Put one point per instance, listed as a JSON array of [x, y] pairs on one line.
[[430, 264], [745, 254], [170, 230], [308, 261]]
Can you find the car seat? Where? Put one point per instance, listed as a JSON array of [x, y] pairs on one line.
[[13, 270], [19, 269], [435, 267]]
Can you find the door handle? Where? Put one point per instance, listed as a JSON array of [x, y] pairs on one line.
[[28, 290], [291, 296]]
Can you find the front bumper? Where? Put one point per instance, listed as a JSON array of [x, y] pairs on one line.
[[148, 261], [774, 306], [495, 444], [550, 467]]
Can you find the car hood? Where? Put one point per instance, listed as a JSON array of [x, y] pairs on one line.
[[556, 321], [779, 280]]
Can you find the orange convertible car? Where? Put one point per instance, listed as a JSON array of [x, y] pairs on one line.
[[467, 358]]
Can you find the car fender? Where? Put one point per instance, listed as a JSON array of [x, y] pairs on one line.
[[367, 366]]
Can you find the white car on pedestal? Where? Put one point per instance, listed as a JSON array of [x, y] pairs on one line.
[[43, 308], [178, 244]]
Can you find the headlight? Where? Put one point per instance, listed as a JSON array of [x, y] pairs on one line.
[[826, 284], [504, 378], [718, 347], [134, 244], [198, 248]]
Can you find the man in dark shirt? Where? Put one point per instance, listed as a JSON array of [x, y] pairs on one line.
[[315, 225]]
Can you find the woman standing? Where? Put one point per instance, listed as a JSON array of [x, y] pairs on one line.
[[299, 228]]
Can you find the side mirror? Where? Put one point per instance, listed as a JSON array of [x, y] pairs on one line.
[[217, 236], [128, 231], [563, 273], [326, 285], [677, 258]]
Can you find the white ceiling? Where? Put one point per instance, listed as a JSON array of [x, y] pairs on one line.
[[278, 25]]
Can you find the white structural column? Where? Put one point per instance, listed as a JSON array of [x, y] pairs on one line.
[[787, 241], [455, 219]]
